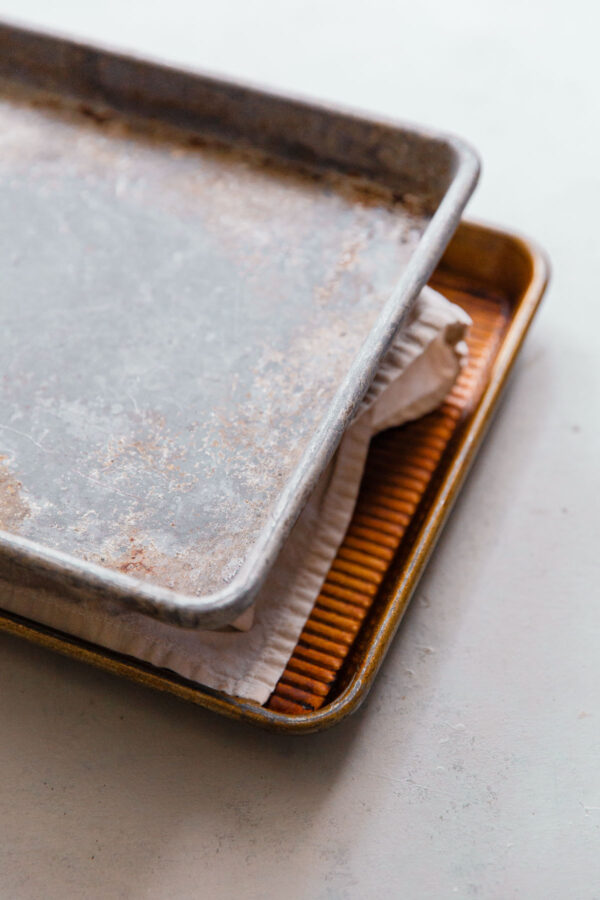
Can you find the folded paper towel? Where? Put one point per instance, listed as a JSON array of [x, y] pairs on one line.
[[415, 376]]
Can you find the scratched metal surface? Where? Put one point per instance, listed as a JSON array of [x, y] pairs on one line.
[[176, 318]]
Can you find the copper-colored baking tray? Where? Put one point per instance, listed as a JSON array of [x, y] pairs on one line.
[[412, 477]]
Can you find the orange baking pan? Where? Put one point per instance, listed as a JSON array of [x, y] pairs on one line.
[[412, 477]]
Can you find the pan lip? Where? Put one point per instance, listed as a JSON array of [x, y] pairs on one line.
[[218, 608]]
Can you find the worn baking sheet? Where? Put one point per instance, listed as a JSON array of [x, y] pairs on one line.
[[413, 475], [198, 282]]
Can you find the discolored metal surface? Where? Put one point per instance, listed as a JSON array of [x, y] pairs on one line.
[[186, 320]]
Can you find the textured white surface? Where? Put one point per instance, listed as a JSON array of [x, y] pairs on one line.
[[472, 771]]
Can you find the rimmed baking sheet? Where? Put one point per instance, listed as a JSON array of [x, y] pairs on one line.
[[199, 280]]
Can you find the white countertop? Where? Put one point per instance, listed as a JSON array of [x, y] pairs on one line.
[[473, 770]]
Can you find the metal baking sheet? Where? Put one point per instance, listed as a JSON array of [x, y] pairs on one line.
[[198, 281]]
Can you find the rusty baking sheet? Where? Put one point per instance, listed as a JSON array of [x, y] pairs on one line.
[[198, 282], [412, 476]]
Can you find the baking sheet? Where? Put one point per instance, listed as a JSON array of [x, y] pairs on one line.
[[198, 282]]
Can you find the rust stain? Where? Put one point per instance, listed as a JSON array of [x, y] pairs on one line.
[[141, 559], [13, 509], [152, 447], [136, 561]]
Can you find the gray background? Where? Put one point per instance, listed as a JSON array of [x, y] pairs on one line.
[[472, 771]]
